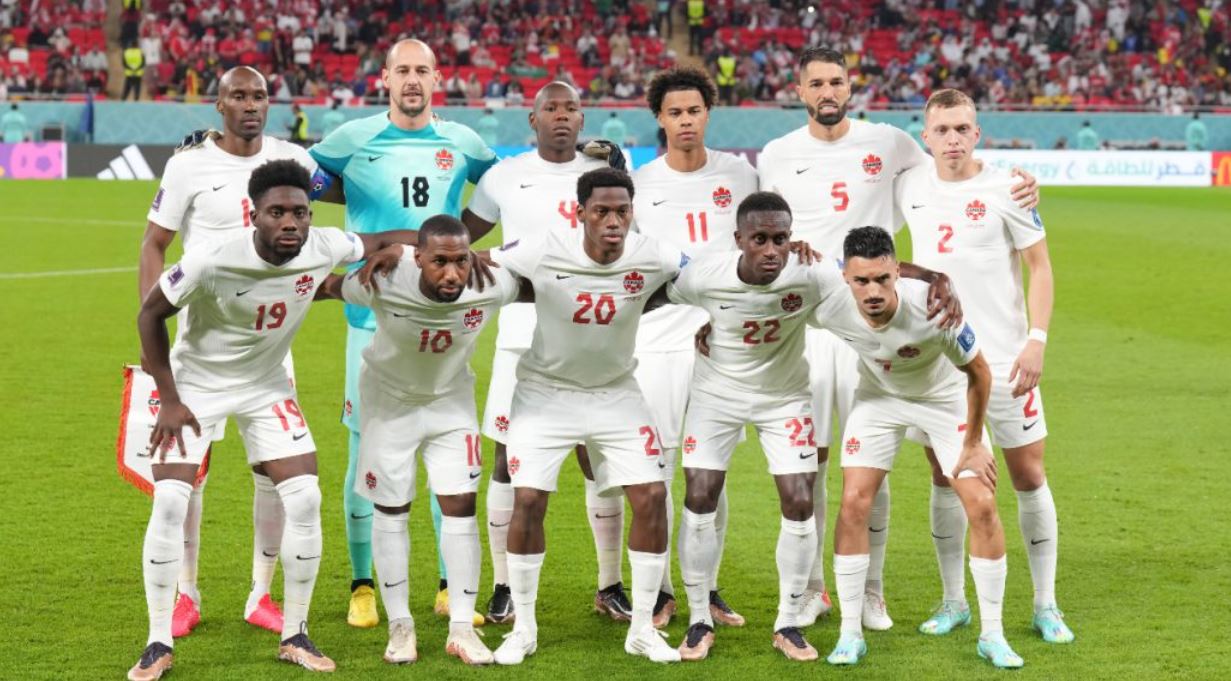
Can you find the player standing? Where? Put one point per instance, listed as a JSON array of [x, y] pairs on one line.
[[962, 223], [417, 393], [686, 198], [398, 168], [245, 300], [907, 380], [204, 196], [837, 174], [575, 384], [529, 193]]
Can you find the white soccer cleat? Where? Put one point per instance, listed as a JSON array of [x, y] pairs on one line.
[[517, 646], [403, 647], [875, 615], [651, 643], [467, 647], [813, 606]]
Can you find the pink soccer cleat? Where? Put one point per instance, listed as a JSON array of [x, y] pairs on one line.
[[266, 616], [185, 617]]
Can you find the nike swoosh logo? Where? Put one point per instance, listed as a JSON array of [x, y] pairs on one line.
[[241, 293], [475, 475], [801, 171], [613, 515], [373, 158], [468, 592], [267, 554], [662, 464], [298, 437], [500, 525], [937, 536], [220, 186], [725, 307], [162, 562], [1028, 427], [794, 596], [916, 206], [564, 276], [400, 316], [691, 586], [873, 529], [390, 586], [523, 186], [299, 557], [807, 456], [1036, 542], [359, 517], [658, 203]]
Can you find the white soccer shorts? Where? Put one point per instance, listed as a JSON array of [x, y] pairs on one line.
[[270, 421], [833, 375], [614, 424], [500, 394], [665, 378], [395, 433], [713, 426], [878, 424], [1014, 421]]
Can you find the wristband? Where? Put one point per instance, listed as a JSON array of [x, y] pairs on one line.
[[1038, 335]]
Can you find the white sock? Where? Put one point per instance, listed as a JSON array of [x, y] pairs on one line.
[[850, 573], [666, 585], [878, 519], [192, 544], [301, 549], [796, 551], [161, 555], [606, 516], [391, 556], [499, 513], [720, 533], [460, 547], [820, 499], [949, 537], [698, 543], [267, 523], [989, 577], [647, 569], [524, 572], [1036, 514]]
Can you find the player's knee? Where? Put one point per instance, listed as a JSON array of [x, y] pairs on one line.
[[170, 506], [1029, 477], [301, 498], [798, 507], [702, 499], [982, 514], [529, 506], [856, 505], [648, 499]]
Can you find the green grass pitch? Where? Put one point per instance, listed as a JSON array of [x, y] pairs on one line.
[[1138, 371]]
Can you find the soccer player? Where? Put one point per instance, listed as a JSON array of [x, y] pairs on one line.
[[686, 198], [907, 380], [837, 174], [528, 194], [245, 300], [398, 169], [204, 197], [962, 222], [575, 384], [417, 394]]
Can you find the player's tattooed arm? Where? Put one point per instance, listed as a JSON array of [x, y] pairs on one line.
[[1026, 192], [173, 415], [477, 226], [153, 257], [941, 296], [975, 456]]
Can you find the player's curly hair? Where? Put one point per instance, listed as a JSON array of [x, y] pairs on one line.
[[679, 79], [822, 54], [284, 173], [602, 177], [868, 242], [761, 202]]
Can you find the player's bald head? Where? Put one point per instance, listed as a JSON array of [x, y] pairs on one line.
[[557, 89], [241, 76], [409, 48]]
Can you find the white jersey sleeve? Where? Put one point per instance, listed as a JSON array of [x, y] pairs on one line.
[[174, 196], [907, 152], [521, 258], [187, 279], [960, 345], [483, 201], [344, 247]]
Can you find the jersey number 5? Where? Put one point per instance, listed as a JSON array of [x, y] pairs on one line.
[[414, 191], [604, 310]]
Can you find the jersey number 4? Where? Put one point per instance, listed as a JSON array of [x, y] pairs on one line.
[[416, 191], [603, 310]]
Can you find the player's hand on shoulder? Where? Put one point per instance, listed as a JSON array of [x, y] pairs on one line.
[[1027, 368], [702, 339], [173, 416], [977, 459], [604, 150], [943, 300], [807, 254], [382, 263], [481, 275], [1026, 192], [196, 139]]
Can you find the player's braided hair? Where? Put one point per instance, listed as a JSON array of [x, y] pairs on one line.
[[761, 202], [868, 242], [679, 79], [602, 177], [284, 173], [822, 54]]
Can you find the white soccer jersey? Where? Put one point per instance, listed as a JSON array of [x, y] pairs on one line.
[[204, 192], [834, 187], [910, 357], [528, 195], [422, 347], [587, 313], [694, 212], [757, 343], [243, 312], [972, 231]]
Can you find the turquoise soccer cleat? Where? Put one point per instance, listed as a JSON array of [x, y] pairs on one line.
[[1049, 622], [949, 615], [997, 651], [848, 651]]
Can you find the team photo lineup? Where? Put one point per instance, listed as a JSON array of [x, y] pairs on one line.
[[640, 330]]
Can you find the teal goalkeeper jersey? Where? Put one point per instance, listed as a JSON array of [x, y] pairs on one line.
[[396, 179]]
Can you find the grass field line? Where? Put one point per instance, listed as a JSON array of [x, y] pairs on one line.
[[65, 273], [69, 220]]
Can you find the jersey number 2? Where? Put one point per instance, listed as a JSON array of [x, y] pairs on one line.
[[414, 191]]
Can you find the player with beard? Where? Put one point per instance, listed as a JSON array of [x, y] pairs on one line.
[[837, 175], [528, 194], [203, 196], [398, 168]]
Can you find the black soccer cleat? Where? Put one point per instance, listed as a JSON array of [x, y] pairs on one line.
[[613, 602], [500, 606]]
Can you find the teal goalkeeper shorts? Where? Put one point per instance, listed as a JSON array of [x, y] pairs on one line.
[[357, 340]]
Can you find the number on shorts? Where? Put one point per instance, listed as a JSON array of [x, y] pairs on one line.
[[474, 455], [650, 436], [839, 193], [292, 409], [438, 343], [277, 315], [771, 328], [693, 220], [946, 233], [1029, 411], [604, 309], [797, 429]]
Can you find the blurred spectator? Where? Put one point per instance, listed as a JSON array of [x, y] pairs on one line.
[[134, 70], [298, 126], [1196, 136], [1087, 137], [14, 125], [514, 95], [332, 120], [488, 128], [915, 129], [614, 130]]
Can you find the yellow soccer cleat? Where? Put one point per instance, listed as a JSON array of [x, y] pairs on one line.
[[441, 608], [362, 612]]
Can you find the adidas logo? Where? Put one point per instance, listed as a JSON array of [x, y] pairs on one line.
[[129, 165]]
